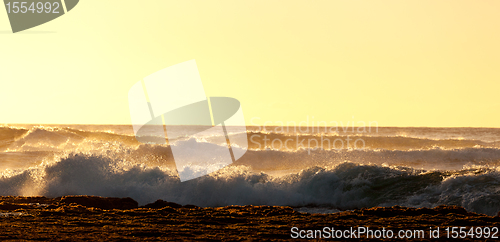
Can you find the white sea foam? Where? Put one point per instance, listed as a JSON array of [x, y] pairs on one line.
[[409, 171], [344, 186]]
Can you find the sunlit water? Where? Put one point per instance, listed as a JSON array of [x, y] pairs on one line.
[[314, 170]]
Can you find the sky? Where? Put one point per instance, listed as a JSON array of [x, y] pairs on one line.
[[399, 63]]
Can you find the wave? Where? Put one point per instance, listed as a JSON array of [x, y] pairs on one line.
[[344, 186], [39, 138], [30, 147], [279, 141], [9, 135], [389, 170], [437, 158]]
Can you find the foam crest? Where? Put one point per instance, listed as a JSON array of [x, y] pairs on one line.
[[344, 186], [397, 167]]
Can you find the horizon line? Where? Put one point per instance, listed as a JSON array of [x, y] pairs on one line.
[[320, 126]]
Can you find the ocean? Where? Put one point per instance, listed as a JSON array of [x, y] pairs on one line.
[[317, 170]]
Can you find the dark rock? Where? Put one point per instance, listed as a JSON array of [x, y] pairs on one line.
[[101, 202], [14, 206], [275, 211], [161, 204], [426, 211], [167, 210], [71, 221], [16, 199], [444, 209], [385, 212]]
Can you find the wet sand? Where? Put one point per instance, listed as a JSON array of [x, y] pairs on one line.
[[91, 218]]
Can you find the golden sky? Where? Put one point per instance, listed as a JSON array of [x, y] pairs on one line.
[[400, 63]]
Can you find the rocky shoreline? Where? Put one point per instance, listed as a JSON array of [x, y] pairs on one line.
[[113, 219]]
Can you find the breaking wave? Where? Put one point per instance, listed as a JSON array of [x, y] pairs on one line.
[[395, 170], [344, 186]]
